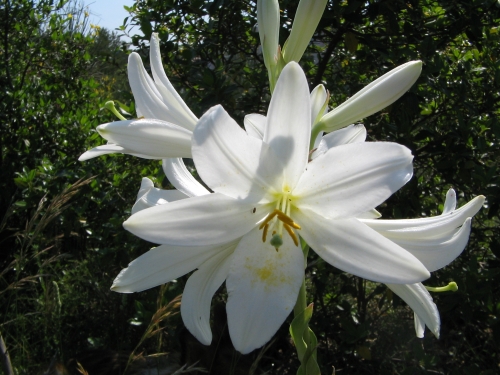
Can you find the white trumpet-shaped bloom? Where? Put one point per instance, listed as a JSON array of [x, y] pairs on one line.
[[165, 123], [266, 195]]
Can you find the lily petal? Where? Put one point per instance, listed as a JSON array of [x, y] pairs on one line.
[[361, 176], [162, 264], [355, 248], [268, 19], [110, 148], [262, 286], [255, 125], [206, 220], [155, 138], [288, 128], [419, 299], [148, 100], [229, 160], [149, 196], [180, 177], [376, 96], [199, 290], [435, 253], [428, 227], [178, 110]]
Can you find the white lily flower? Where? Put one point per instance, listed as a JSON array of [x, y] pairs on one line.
[[307, 17], [376, 96], [266, 194], [165, 126]]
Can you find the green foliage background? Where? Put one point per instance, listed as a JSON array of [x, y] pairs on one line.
[[62, 246]]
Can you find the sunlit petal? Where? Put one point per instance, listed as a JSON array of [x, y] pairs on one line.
[[361, 176], [255, 125], [178, 110], [230, 161], [158, 139], [419, 299], [262, 289], [198, 221], [355, 248], [355, 133]]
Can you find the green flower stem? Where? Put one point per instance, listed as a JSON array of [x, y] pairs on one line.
[[304, 338], [317, 128], [110, 106]]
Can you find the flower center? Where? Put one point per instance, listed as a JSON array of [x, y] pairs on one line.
[[278, 220]]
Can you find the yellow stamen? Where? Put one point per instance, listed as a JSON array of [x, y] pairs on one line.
[[268, 219], [264, 233], [287, 219], [291, 233]]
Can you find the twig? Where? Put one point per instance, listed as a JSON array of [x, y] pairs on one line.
[[7, 366]]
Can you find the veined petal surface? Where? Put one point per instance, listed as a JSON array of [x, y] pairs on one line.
[[230, 161], [419, 299], [262, 286], [206, 220], [288, 128], [351, 179], [199, 290], [155, 138], [180, 177], [162, 264], [355, 248]]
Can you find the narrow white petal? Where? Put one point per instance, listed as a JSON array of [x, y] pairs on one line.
[[148, 100], [355, 248], [355, 133], [110, 148], [230, 161], [162, 264], [180, 177], [180, 112], [155, 138], [428, 227], [351, 179], [374, 97], [198, 293], [288, 127], [205, 220], [262, 289], [419, 325], [435, 253], [419, 299], [255, 125], [149, 196]]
